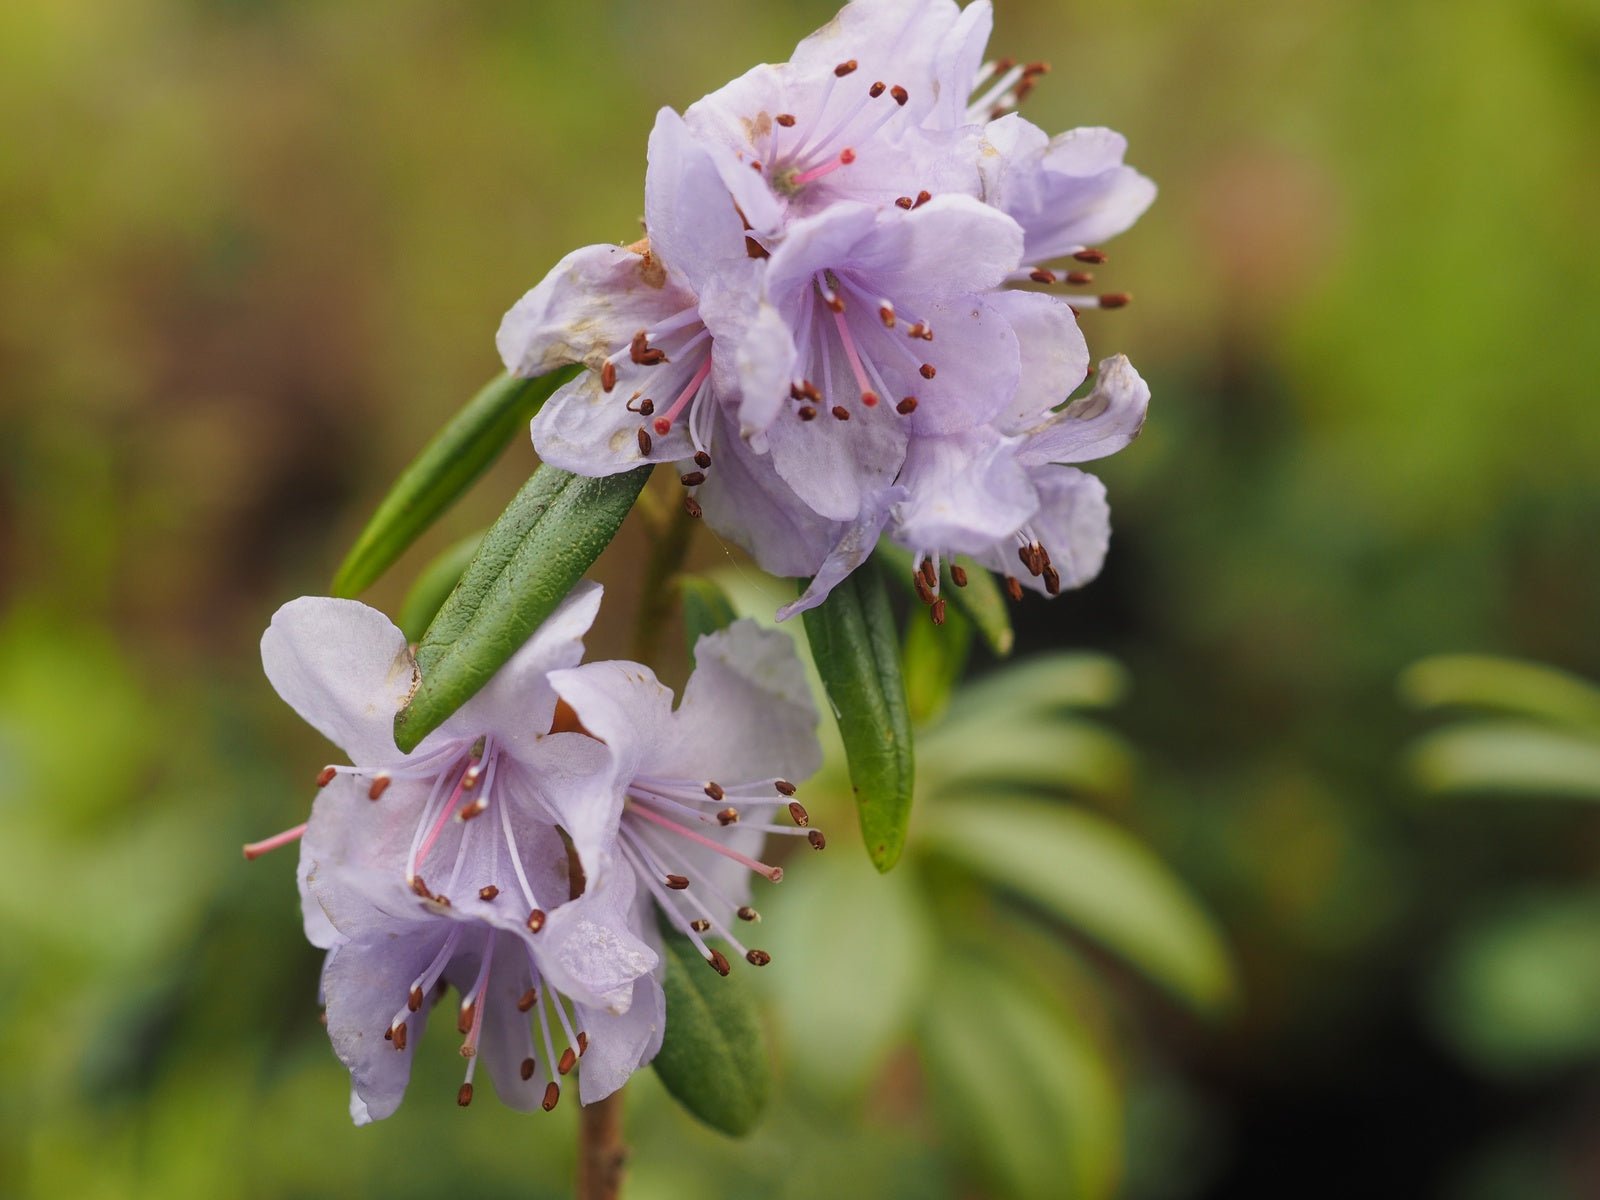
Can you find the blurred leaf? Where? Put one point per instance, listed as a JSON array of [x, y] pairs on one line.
[[1508, 756], [1050, 681], [1026, 1084], [1033, 751], [706, 608], [980, 600], [447, 466], [530, 559], [712, 1059], [933, 658], [857, 654], [433, 587], [1519, 990], [1520, 688], [1094, 876]]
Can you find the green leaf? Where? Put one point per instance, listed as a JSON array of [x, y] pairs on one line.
[[857, 655], [1508, 756], [1051, 681], [933, 659], [981, 601], [706, 608], [434, 585], [457, 455], [1094, 876], [529, 560], [1522, 688], [712, 1059], [1038, 751]]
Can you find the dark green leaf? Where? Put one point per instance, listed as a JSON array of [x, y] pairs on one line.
[[980, 600], [434, 585], [712, 1059], [857, 653], [456, 456], [933, 659], [706, 608], [528, 562]]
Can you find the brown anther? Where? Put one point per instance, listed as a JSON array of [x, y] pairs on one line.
[[924, 593], [702, 459], [608, 376], [903, 202], [907, 406], [1090, 256], [886, 314], [464, 1016], [639, 346], [414, 999], [700, 925], [677, 882], [464, 1095], [388, 1034], [692, 507], [1036, 68], [1025, 555], [398, 1035], [442, 900], [420, 888], [1080, 278], [746, 913], [583, 1043], [645, 445], [1042, 275], [938, 611], [876, 89], [798, 813], [929, 575], [806, 413], [1001, 66], [915, 331], [818, 842], [527, 1000], [469, 777], [527, 1070], [757, 958], [834, 301], [785, 119], [927, 370], [958, 575], [840, 413], [713, 789], [568, 1061], [900, 95], [728, 816], [753, 248], [755, 165], [845, 68], [812, 391], [692, 478], [922, 198], [1014, 588], [325, 776], [646, 407], [552, 1094], [870, 399], [380, 784], [785, 788], [536, 920], [1052, 581], [1115, 300], [488, 892], [719, 963], [475, 809]]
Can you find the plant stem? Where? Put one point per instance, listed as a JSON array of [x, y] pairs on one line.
[[601, 1155], [656, 595]]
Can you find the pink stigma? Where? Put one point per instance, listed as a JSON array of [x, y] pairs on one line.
[[663, 423], [846, 157]]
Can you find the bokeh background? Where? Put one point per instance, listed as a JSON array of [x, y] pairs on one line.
[[253, 252]]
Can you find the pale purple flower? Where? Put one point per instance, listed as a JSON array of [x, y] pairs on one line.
[[443, 866], [691, 794]]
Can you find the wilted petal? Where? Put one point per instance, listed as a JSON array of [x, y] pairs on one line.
[[1095, 425]]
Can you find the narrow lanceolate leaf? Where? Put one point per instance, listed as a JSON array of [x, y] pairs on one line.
[[706, 608], [457, 455], [1504, 685], [857, 653], [433, 587], [980, 599], [528, 561], [1509, 757], [1095, 877], [712, 1056]]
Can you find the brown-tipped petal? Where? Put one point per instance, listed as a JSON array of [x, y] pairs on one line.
[[568, 1061], [692, 507], [464, 1095], [552, 1094], [719, 962], [728, 816], [798, 814], [536, 920], [1090, 255], [757, 958], [746, 913], [608, 375], [818, 842], [785, 788], [677, 882], [958, 575], [325, 776], [488, 892], [527, 1069]]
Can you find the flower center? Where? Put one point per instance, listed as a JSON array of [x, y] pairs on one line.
[[801, 158], [859, 326]]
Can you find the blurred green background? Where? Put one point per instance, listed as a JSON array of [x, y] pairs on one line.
[[253, 252]]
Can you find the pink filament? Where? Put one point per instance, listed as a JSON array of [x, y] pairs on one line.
[[256, 849], [760, 868]]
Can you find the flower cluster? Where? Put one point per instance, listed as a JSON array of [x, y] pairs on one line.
[[530, 851], [841, 325]]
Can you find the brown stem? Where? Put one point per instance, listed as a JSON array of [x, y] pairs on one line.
[[601, 1155], [667, 552]]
